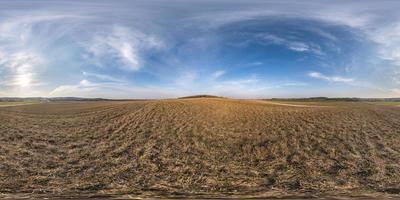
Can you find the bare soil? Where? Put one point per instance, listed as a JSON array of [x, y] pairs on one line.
[[199, 147]]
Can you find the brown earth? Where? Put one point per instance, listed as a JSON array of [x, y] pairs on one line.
[[204, 146]]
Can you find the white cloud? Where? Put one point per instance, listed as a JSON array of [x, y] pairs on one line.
[[290, 43], [298, 46], [294, 84], [29, 39], [29, 45], [20, 28], [251, 87], [217, 74], [119, 47], [396, 91], [86, 83], [318, 75], [90, 89], [322, 33], [188, 84], [238, 88], [103, 77], [255, 63], [23, 39], [389, 40], [186, 79], [237, 82], [21, 69]]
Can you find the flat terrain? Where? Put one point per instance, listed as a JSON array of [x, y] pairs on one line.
[[18, 103], [387, 103], [201, 147]]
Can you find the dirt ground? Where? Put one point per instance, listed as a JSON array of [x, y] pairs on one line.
[[200, 147]]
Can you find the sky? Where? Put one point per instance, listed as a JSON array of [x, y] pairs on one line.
[[165, 49]]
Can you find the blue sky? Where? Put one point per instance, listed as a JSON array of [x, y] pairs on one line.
[[162, 49]]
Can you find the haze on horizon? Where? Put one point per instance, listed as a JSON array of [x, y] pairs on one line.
[[162, 49]]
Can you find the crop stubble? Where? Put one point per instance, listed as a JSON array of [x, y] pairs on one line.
[[199, 146]]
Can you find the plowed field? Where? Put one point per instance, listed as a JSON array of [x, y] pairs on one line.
[[199, 146]]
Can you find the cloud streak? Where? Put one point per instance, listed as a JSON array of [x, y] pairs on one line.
[[120, 45], [218, 74], [339, 79]]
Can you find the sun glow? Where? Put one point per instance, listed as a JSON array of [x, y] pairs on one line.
[[24, 76]]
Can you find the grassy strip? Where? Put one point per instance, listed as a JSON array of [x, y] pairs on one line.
[[387, 103], [17, 103]]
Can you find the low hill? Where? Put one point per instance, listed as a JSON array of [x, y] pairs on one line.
[[212, 147], [200, 96]]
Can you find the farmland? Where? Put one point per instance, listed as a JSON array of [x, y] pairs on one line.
[[393, 103], [4, 104], [204, 146]]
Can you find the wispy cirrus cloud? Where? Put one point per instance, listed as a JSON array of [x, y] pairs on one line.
[[97, 48], [103, 77], [20, 69], [292, 44], [114, 90], [255, 63], [253, 87], [119, 46], [32, 43], [24, 39], [340, 79], [218, 74]]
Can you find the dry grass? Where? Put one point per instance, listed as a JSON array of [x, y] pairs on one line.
[[16, 103], [386, 103], [209, 146]]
